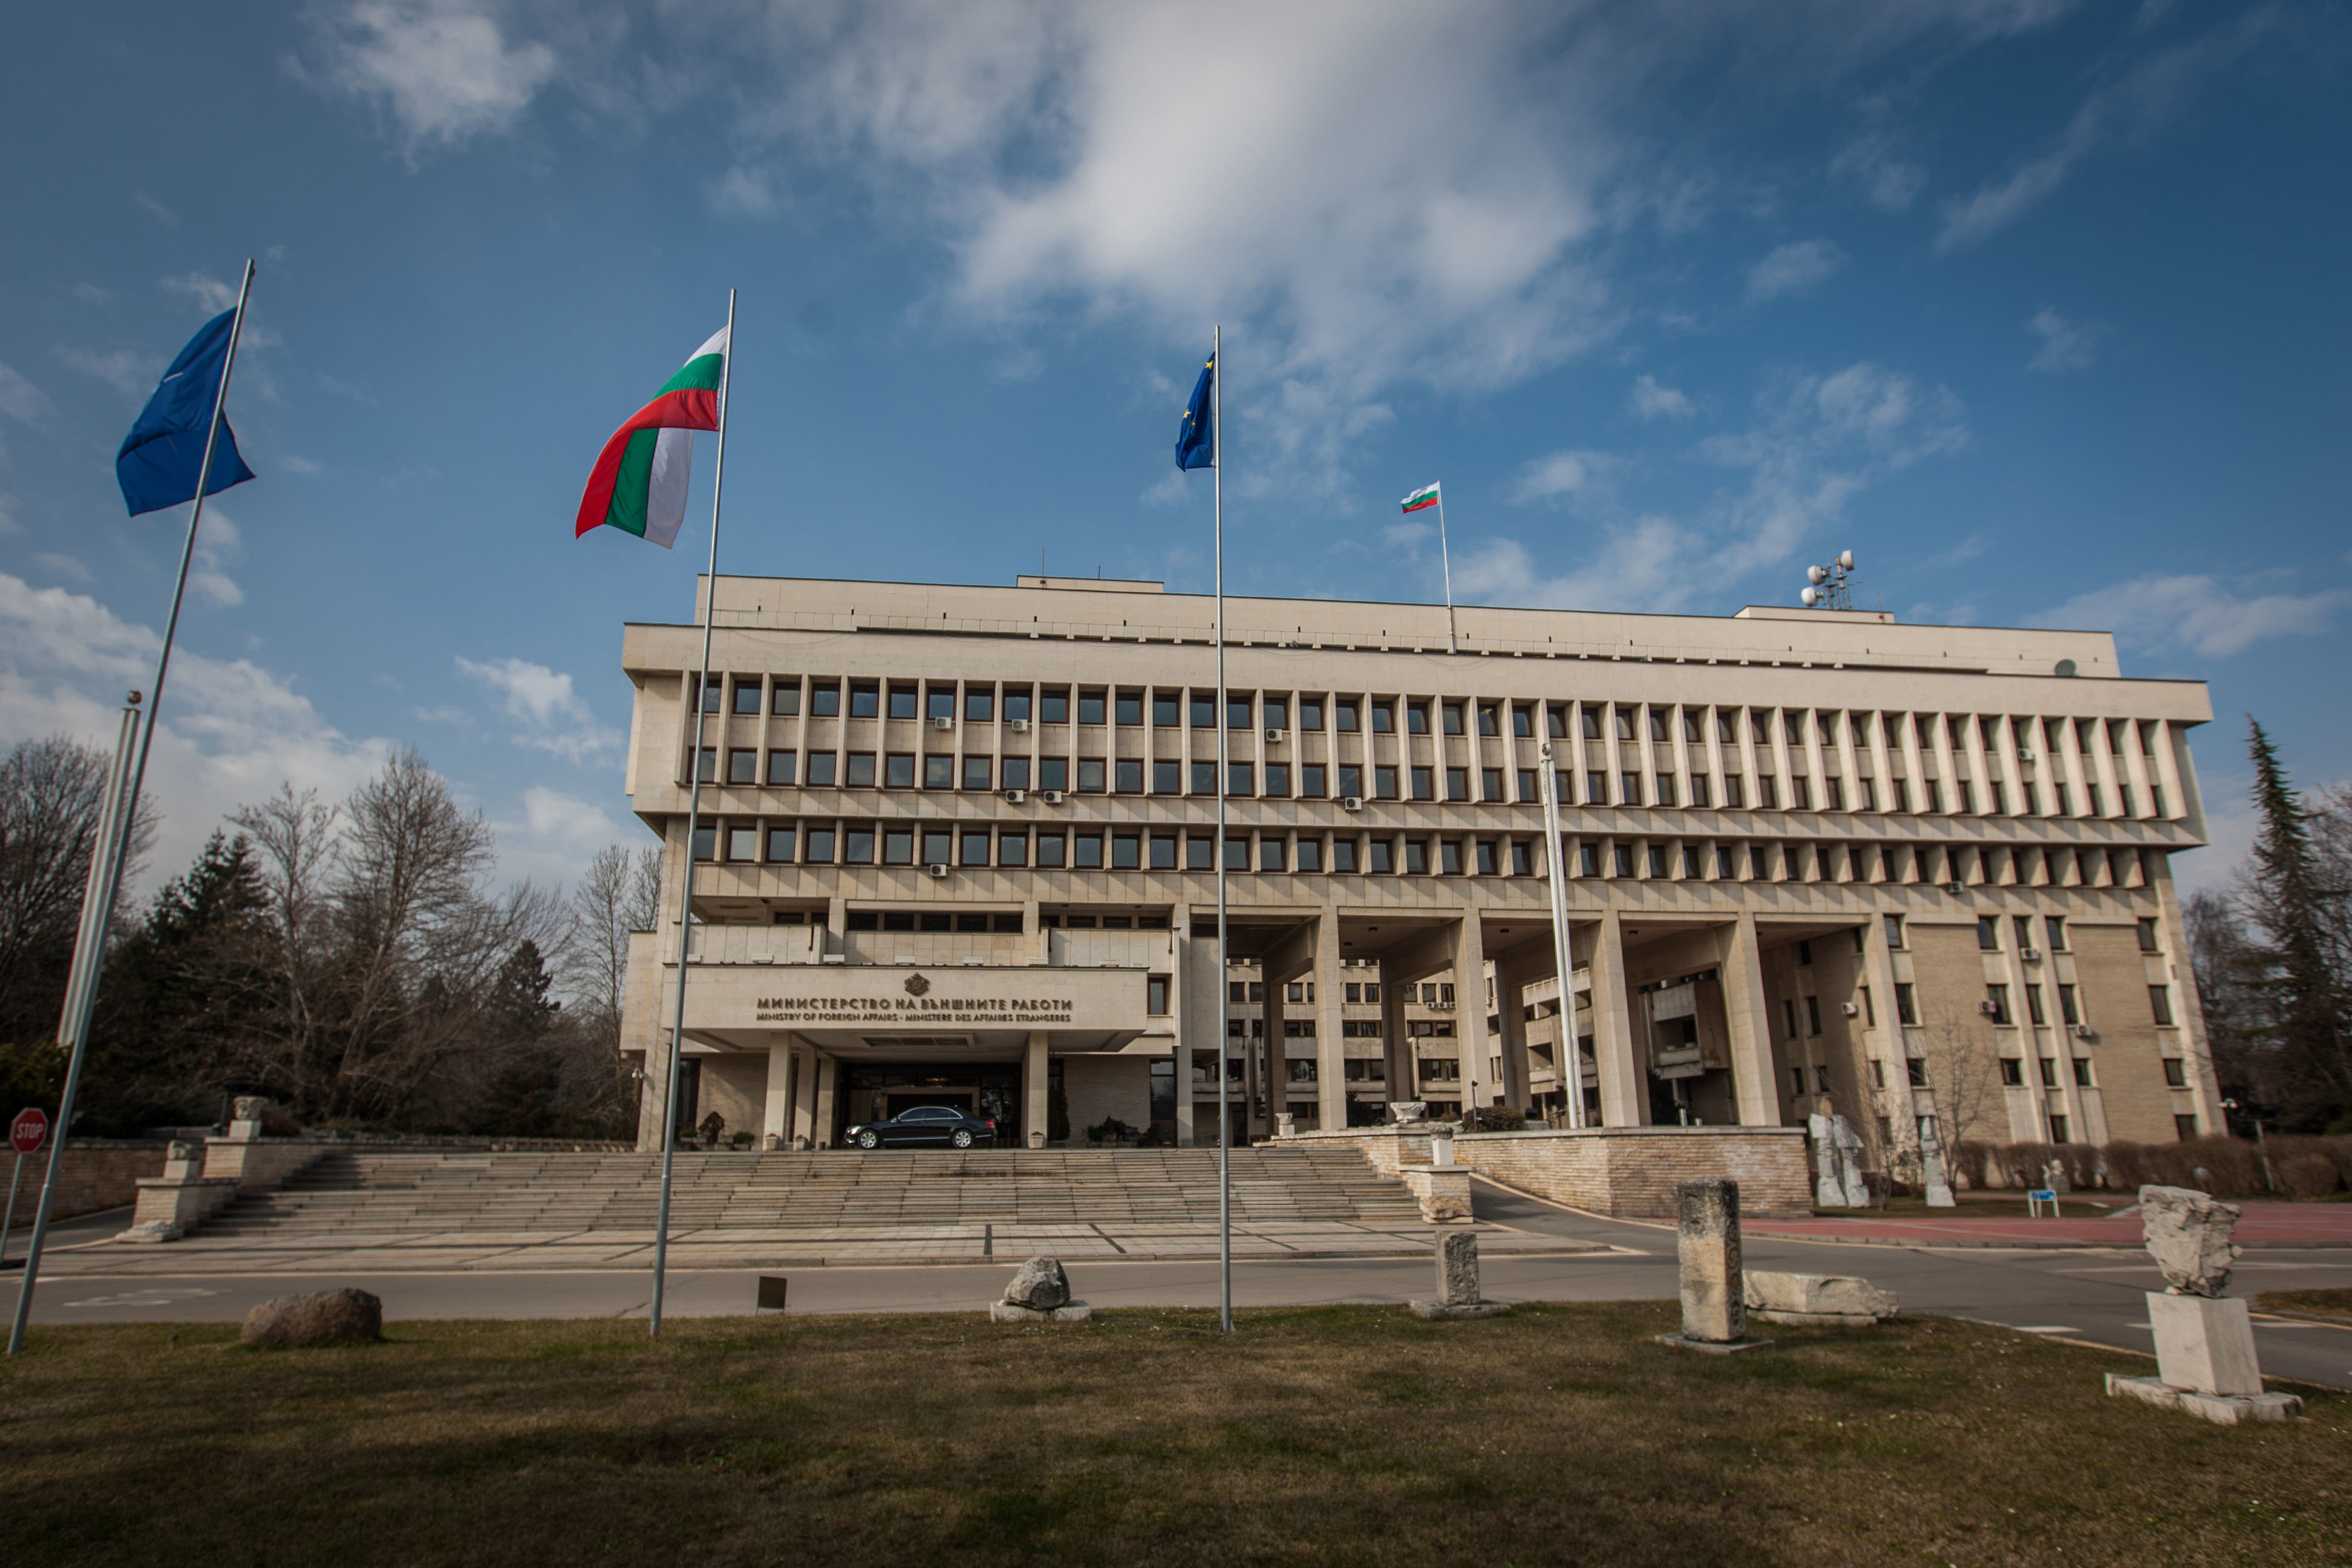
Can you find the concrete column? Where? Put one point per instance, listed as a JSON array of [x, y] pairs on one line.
[[1886, 1044], [1185, 1025], [1750, 1023], [828, 1078], [653, 1093], [1394, 1044], [1510, 1015], [775, 1111], [1470, 1009], [803, 1121], [1331, 1046], [1034, 1099], [1266, 1058], [1623, 1067]]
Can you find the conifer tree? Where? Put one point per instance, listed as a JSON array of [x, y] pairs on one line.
[[2288, 901]]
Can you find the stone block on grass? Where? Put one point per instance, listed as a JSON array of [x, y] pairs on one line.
[[1816, 1301], [322, 1318], [1457, 1281], [1039, 1293], [1707, 1247]]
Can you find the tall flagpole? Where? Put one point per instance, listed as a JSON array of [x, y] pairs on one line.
[[1445, 556], [693, 821], [113, 848], [1567, 1051], [1224, 730]]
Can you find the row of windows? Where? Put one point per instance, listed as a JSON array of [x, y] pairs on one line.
[[1197, 709], [1428, 994], [1097, 775], [821, 842]]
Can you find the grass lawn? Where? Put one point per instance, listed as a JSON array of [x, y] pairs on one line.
[[1552, 1435], [2336, 1301]]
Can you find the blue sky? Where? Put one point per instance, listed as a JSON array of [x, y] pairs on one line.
[[2038, 307]]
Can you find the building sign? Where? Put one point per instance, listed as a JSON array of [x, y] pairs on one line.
[[982, 1000]]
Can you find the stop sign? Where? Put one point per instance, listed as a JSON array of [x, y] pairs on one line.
[[29, 1130]]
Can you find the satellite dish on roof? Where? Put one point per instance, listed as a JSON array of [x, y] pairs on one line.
[[1815, 574], [1845, 559], [1811, 596]]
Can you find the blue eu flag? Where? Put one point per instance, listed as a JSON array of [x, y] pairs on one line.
[[1196, 438], [162, 455]]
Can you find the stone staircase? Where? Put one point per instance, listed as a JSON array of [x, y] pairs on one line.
[[480, 1194]]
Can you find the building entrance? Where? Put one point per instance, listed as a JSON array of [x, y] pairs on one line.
[[875, 1091]]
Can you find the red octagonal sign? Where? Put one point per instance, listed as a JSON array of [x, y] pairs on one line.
[[29, 1130]]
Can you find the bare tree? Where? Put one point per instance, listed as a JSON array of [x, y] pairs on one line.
[[1963, 1070], [619, 893], [294, 838], [50, 792]]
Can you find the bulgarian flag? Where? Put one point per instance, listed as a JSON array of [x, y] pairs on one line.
[[638, 485], [1425, 497]]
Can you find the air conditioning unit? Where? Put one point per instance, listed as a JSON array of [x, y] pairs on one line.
[[1018, 726], [936, 868], [1987, 1009], [942, 724], [1272, 734], [2030, 954], [1955, 887], [1051, 796], [2084, 1032], [1852, 1010], [1015, 796], [1352, 803]]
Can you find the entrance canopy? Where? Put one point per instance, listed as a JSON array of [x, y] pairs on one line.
[[907, 1012]]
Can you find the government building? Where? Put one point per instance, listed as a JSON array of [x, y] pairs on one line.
[[959, 848]]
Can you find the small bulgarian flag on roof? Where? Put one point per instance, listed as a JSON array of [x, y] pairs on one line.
[[638, 485], [1423, 496]]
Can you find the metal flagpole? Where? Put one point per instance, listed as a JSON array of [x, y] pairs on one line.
[[1224, 1117], [1567, 1052], [1445, 557], [693, 821], [114, 845]]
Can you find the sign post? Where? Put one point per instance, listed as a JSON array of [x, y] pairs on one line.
[[26, 1132]]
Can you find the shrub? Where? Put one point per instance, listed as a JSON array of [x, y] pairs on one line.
[[2308, 1176], [1492, 1118], [1973, 1165]]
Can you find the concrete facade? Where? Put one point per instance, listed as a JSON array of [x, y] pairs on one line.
[[959, 844]]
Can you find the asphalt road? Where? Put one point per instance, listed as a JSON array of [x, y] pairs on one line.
[[2092, 1296]]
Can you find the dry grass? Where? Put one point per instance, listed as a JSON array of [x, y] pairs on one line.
[[1335, 1436], [2336, 1301]]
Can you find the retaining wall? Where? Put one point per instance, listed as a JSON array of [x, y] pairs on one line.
[[98, 1173], [1628, 1172]]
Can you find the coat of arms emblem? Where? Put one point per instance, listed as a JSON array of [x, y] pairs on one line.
[[917, 985]]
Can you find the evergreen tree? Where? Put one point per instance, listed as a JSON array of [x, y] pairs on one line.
[[2288, 901]]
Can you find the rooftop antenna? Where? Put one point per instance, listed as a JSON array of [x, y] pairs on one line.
[[1829, 588]]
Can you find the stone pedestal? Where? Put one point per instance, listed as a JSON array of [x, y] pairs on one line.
[[1707, 1247], [1444, 1194], [2222, 1409], [1039, 1293], [1816, 1301], [171, 1203], [2205, 1344], [1457, 1281]]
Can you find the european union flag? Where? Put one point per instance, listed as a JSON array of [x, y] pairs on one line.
[[162, 455], [1196, 438]]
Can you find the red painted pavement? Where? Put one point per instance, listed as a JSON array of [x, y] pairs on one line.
[[2274, 1225]]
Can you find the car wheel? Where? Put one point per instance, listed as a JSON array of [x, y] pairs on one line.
[[869, 1140], [963, 1139]]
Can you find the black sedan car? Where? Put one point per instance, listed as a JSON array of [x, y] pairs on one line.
[[941, 1125]]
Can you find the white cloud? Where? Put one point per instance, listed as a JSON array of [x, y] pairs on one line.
[[2064, 345], [1889, 181], [64, 567], [1818, 441], [440, 68], [1792, 269], [1654, 401], [294, 464], [212, 295], [2197, 613], [128, 371], [1559, 475], [744, 192], [2134, 104], [1406, 535], [19, 398], [231, 730], [214, 544], [551, 716]]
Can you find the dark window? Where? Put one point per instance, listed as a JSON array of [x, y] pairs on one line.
[[1895, 930], [1490, 783], [1237, 778], [1449, 857], [1204, 709], [747, 697], [1343, 854], [1457, 783], [1989, 933], [1166, 709], [1275, 711], [1529, 786], [1384, 782], [1204, 778], [1016, 773], [902, 701], [975, 846], [1126, 852], [2068, 1011], [979, 704], [1523, 859], [1236, 854], [1012, 848], [706, 764], [1523, 721], [861, 770], [938, 773], [706, 843], [1090, 775], [782, 841], [1484, 859], [2176, 1073], [1277, 778], [1423, 784], [1381, 857], [1130, 776], [1907, 1006], [2013, 1072], [787, 695], [1167, 778], [1270, 856], [898, 847], [744, 767], [820, 845], [1054, 705], [1237, 711], [897, 771], [1416, 717], [1622, 856], [1384, 719], [1311, 780], [1352, 780], [857, 847], [1451, 713], [1200, 853], [2056, 926], [975, 773], [1310, 853], [1090, 707], [1016, 704], [941, 702], [1130, 707], [1997, 1004], [1163, 852], [1310, 712], [1343, 711], [1588, 860], [2159, 1003], [1086, 851], [937, 843], [2147, 935], [1916, 1071], [1155, 995], [1049, 850], [781, 766]]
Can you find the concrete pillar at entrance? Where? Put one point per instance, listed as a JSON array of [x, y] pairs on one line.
[[1745, 1012], [1036, 1101], [1623, 1067], [1331, 1041], [803, 1124], [1470, 1014], [1511, 1019], [1269, 1093], [1404, 1081], [828, 1078], [1884, 1043], [1182, 1024], [775, 1112]]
